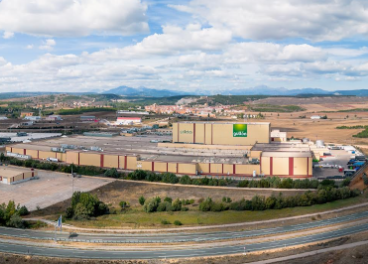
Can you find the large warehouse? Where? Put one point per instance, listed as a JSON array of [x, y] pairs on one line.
[[235, 134], [217, 149]]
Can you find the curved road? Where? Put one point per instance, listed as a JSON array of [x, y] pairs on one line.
[[174, 237], [156, 254]]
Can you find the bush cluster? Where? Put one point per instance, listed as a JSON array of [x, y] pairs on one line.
[[286, 183], [260, 203], [363, 134], [167, 177], [36, 164], [352, 127], [10, 215], [167, 205], [84, 206]]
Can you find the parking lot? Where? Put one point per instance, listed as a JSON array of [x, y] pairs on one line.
[[338, 158], [50, 188]]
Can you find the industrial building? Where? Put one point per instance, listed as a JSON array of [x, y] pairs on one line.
[[14, 175], [211, 133], [196, 148]]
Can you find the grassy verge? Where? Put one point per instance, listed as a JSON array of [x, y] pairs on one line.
[[137, 218]]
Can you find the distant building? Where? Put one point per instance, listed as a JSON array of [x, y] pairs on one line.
[[54, 118], [27, 123], [131, 113], [126, 120], [3, 118], [87, 118], [315, 117], [32, 118], [25, 114], [277, 136]]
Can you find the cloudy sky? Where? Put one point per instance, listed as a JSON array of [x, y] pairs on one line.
[[84, 45]]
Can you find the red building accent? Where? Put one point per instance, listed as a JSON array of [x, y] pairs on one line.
[[234, 169], [153, 166], [102, 160], [291, 166], [308, 166], [125, 163], [271, 166], [194, 133]]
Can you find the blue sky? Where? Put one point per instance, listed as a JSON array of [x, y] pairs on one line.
[[213, 45]]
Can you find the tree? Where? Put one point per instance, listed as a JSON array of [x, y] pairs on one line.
[[112, 173], [2, 157], [185, 180], [151, 205], [141, 200], [123, 205], [176, 205]]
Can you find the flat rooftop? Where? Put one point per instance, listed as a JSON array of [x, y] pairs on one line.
[[141, 146], [281, 147], [8, 172], [230, 123]]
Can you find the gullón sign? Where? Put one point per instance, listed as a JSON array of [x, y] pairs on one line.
[[240, 130]]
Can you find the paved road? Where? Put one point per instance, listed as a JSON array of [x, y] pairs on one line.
[[175, 237], [158, 254]]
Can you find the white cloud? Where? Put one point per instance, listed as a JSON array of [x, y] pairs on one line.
[[274, 19], [173, 40], [73, 17], [8, 35], [30, 46], [48, 44]]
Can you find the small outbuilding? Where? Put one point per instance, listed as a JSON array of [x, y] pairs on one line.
[[14, 175]]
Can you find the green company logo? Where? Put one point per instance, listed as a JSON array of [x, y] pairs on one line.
[[186, 132], [240, 130]]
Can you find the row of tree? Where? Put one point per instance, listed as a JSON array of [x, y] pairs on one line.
[[287, 183], [167, 177], [260, 203], [155, 204]]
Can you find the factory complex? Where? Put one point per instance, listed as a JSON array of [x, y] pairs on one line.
[[195, 148]]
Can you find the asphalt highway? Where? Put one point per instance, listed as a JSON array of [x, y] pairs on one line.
[[185, 253], [173, 237]]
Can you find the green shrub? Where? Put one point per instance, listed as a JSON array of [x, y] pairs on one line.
[[85, 205], [185, 180], [123, 205], [141, 200], [151, 205], [177, 222], [176, 205], [168, 199], [23, 211], [168, 177], [165, 222], [112, 173]]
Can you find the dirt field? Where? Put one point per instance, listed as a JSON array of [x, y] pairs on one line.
[[130, 191], [51, 188]]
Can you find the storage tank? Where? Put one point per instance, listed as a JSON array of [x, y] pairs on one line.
[[305, 140], [320, 143]]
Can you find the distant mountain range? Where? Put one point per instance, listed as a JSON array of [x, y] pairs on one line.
[[142, 91], [258, 90], [148, 92]]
